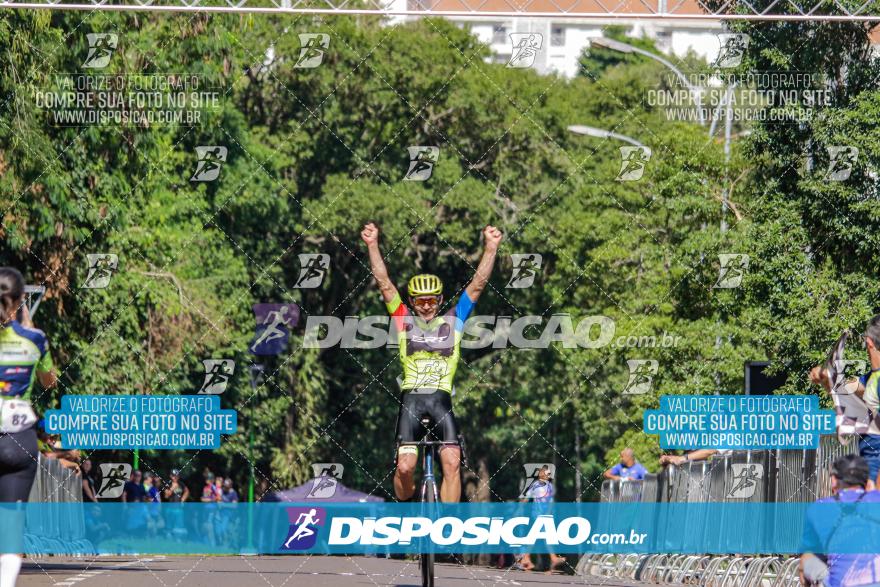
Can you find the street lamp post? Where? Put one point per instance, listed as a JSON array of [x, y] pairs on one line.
[[622, 47], [256, 377], [727, 104], [599, 133]]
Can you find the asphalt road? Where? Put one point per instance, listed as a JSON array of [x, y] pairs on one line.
[[270, 571]]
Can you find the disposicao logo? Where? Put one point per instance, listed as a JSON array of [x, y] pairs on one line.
[[448, 531], [304, 524]]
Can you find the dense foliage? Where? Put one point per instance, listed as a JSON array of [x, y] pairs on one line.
[[315, 153]]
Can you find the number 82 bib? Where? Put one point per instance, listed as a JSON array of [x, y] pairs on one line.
[[16, 415]]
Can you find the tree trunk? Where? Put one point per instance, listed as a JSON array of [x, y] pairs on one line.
[[477, 489]]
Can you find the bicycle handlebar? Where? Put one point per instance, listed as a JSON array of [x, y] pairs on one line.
[[430, 443]]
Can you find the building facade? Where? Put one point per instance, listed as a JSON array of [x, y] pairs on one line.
[[564, 38]]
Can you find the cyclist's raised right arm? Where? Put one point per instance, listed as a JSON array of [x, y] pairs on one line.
[[370, 235]]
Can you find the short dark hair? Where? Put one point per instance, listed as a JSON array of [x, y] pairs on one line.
[[873, 330], [851, 471]]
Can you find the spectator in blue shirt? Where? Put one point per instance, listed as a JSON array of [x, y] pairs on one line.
[[842, 528], [154, 493], [628, 468], [133, 493], [228, 494]]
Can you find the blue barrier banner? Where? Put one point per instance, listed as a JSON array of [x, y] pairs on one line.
[[739, 422], [124, 422], [376, 528]]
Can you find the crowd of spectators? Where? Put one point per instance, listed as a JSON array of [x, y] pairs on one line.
[[213, 523]]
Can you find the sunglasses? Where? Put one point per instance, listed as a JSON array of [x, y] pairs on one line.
[[426, 302]]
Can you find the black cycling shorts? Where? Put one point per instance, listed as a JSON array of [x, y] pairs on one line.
[[436, 406], [18, 464]]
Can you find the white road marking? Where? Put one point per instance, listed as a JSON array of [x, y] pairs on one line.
[[94, 573]]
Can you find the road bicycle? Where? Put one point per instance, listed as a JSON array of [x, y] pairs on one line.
[[428, 447]]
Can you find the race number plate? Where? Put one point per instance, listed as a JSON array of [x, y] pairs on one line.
[[16, 415]]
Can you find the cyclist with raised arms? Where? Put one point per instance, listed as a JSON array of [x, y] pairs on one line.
[[24, 356], [429, 353]]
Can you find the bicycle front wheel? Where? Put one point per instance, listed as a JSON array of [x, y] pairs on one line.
[[426, 561]]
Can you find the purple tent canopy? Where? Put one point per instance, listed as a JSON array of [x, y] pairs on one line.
[[301, 494]]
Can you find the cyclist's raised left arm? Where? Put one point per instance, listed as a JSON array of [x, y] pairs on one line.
[[492, 237]]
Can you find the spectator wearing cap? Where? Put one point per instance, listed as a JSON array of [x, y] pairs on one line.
[[826, 527], [176, 492], [628, 469], [225, 513]]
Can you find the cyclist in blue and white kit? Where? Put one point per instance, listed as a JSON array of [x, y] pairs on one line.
[[24, 357]]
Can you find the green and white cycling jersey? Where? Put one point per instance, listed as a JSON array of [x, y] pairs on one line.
[[23, 353], [429, 351]]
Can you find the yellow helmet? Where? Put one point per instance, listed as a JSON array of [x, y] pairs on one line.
[[425, 285]]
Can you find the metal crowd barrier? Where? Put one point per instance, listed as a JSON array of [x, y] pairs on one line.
[[642, 490], [776, 476], [60, 532]]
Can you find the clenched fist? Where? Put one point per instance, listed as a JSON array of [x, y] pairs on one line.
[[819, 376], [492, 237], [370, 234]]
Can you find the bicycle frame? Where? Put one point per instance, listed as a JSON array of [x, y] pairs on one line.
[[428, 471], [429, 449], [429, 498]]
